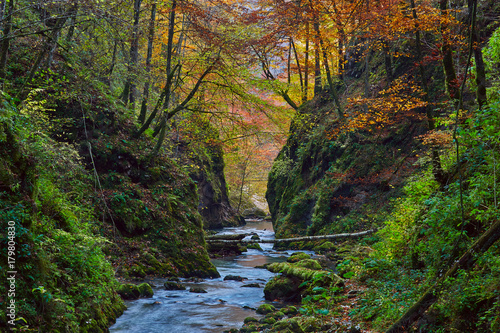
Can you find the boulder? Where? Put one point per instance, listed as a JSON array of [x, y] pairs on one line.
[[145, 290], [298, 256], [234, 278], [281, 287], [171, 285], [265, 309], [197, 290], [129, 291]]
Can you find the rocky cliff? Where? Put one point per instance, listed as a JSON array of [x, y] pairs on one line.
[[328, 180]]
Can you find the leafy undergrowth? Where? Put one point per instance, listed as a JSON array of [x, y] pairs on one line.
[[63, 283], [429, 226]]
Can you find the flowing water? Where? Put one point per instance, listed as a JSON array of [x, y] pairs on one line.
[[226, 303]]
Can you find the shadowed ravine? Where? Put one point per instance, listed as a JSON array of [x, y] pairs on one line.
[[221, 308]]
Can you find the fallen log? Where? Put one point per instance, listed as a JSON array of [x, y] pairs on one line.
[[233, 237], [466, 261], [297, 239]]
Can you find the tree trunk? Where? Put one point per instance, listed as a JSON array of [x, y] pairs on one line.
[[164, 99], [449, 68], [71, 30], [468, 259], [436, 161], [7, 27], [130, 89], [306, 66], [298, 67], [145, 94], [478, 56], [297, 239], [45, 50], [317, 69], [243, 177], [388, 63], [333, 88]]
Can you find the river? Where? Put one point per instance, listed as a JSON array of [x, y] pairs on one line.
[[226, 303]]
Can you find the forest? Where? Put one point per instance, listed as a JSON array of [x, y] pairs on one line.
[[131, 130]]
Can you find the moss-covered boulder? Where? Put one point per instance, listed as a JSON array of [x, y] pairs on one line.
[[290, 310], [145, 290], [234, 278], [282, 288], [324, 247], [255, 246], [293, 270], [129, 291], [172, 285], [309, 263], [311, 324], [265, 308], [288, 325], [251, 328], [250, 320], [267, 320], [298, 256]]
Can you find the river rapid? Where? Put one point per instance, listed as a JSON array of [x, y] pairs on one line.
[[226, 303]]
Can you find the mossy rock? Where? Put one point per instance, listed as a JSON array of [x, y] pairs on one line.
[[146, 290], [255, 237], [276, 315], [265, 309], [310, 324], [129, 291], [293, 270], [298, 256], [309, 263], [171, 285], [267, 320], [137, 271], [197, 290], [280, 287], [249, 329], [326, 246], [234, 278], [255, 246], [250, 320], [290, 310], [288, 325]]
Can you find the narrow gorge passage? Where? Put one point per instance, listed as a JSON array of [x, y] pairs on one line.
[[226, 303]]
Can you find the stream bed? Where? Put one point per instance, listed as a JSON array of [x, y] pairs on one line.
[[226, 303]]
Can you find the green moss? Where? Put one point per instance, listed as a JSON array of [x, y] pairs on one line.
[[309, 263], [268, 320], [288, 325], [280, 287], [290, 310], [265, 308], [293, 270], [129, 291], [298, 256], [255, 246], [326, 246], [145, 290], [250, 320]]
